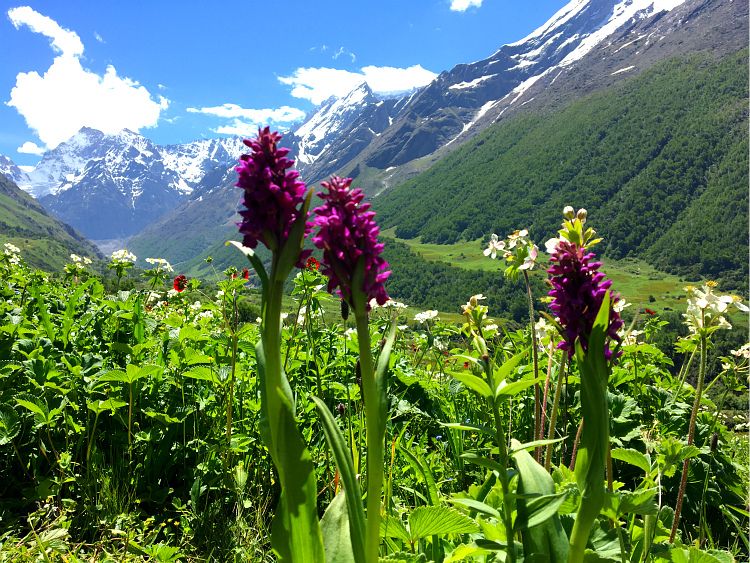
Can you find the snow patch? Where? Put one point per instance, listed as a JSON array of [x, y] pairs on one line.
[[472, 84], [626, 69], [484, 109]]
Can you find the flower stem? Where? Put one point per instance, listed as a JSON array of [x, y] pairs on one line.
[[691, 435], [502, 446], [535, 358], [375, 436], [553, 414]]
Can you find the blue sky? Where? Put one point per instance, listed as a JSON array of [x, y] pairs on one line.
[[178, 71]]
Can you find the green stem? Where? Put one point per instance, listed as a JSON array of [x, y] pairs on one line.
[[502, 446], [553, 415], [534, 356], [375, 436], [691, 435]]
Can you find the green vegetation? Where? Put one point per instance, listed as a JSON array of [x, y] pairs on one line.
[[46, 242], [130, 426], [661, 160]]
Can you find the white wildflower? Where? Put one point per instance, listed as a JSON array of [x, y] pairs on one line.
[[195, 306], [172, 293], [122, 256], [494, 246], [11, 248], [742, 352], [161, 263], [425, 316], [551, 245]]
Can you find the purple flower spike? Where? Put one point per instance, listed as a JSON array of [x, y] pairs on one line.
[[273, 194], [347, 235], [578, 292]]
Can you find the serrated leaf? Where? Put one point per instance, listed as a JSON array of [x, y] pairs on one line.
[[633, 457], [439, 520], [10, 424]]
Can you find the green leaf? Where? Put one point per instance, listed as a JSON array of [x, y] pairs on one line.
[[531, 445], [482, 461], [439, 520], [338, 447], [392, 527], [633, 457], [107, 405], [422, 470], [542, 531], [505, 389], [202, 373], [10, 424], [473, 382], [479, 506], [469, 428], [466, 552], [503, 371], [335, 528]]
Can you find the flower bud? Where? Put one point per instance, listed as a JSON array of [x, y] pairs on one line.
[[581, 215], [344, 309], [568, 212]]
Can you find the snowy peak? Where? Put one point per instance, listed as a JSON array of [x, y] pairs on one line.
[[10, 170], [316, 134], [192, 161]]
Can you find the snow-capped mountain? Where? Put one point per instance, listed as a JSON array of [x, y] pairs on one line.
[[10, 170], [339, 130], [111, 186]]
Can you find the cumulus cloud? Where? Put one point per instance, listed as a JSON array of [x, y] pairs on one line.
[[319, 84], [245, 121], [463, 5], [30, 148], [67, 96]]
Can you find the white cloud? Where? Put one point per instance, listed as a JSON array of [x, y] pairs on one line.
[[284, 114], [246, 121], [99, 38], [319, 84], [463, 5], [63, 40], [30, 148], [341, 51], [67, 96]]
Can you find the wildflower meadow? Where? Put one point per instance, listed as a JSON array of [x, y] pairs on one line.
[[290, 410]]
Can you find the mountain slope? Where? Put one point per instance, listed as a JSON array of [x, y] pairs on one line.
[[589, 45], [44, 241], [646, 158]]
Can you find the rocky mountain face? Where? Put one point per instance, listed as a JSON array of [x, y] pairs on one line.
[[586, 46], [112, 186], [12, 172]]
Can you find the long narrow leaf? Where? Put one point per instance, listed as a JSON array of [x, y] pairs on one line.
[[337, 444]]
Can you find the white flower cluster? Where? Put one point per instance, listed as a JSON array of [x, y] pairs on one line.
[[82, 260], [516, 247], [742, 352], [161, 263], [705, 309], [12, 253], [425, 316], [390, 304], [122, 256]]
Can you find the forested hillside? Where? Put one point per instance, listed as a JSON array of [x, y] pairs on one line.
[[45, 242], [660, 162]]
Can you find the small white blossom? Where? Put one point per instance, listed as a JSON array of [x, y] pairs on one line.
[[619, 305], [123, 256], [11, 248], [494, 246], [195, 306], [425, 316], [172, 293], [219, 294], [160, 263], [742, 352], [530, 260]]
